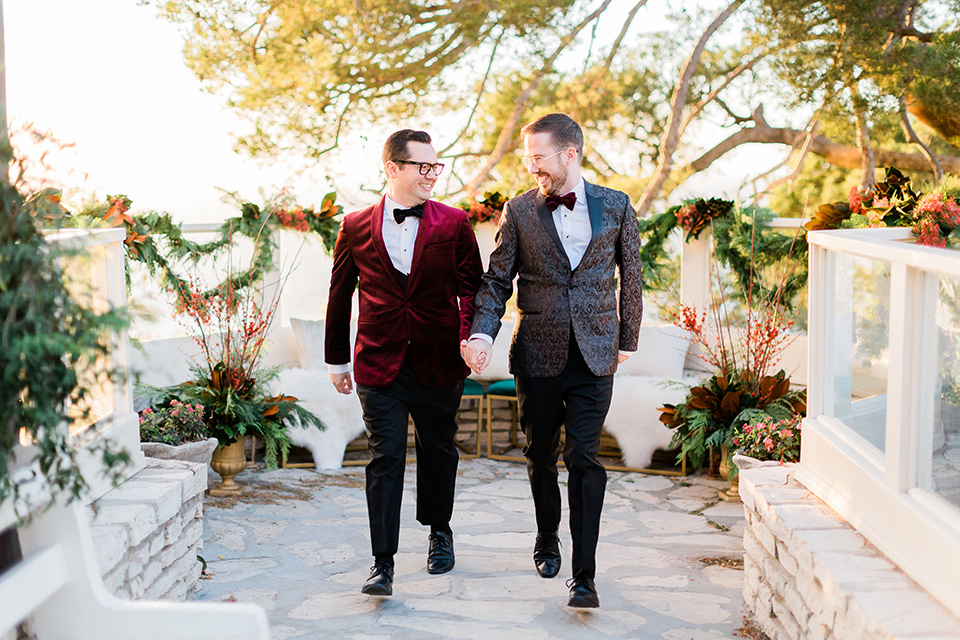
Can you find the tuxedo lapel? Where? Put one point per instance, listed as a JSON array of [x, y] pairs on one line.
[[595, 209], [546, 217], [423, 234], [377, 237]]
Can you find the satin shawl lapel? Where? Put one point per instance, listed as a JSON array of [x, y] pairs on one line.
[[546, 217], [377, 237], [595, 208], [423, 234]]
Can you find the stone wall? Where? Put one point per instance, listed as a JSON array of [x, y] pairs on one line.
[[809, 574], [148, 532]]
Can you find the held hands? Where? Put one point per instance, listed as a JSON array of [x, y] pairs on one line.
[[342, 382], [476, 353]]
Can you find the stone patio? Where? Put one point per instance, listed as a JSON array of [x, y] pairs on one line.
[[297, 542]]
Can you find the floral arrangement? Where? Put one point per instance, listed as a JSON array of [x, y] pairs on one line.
[[696, 215], [230, 324], [935, 217], [769, 439], [489, 208], [175, 424], [742, 343], [892, 202], [744, 387]]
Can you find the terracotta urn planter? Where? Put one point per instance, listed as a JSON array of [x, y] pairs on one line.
[[228, 461]]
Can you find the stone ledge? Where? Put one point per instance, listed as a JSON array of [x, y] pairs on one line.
[[809, 574], [145, 531]]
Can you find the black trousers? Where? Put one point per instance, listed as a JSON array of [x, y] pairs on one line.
[[579, 400], [386, 411]]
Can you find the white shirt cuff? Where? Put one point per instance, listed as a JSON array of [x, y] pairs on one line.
[[339, 368], [482, 336], [627, 353]]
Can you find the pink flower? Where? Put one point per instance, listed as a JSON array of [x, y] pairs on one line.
[[786, 433], [768, 443]]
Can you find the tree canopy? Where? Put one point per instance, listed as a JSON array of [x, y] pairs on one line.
[[849, 85]]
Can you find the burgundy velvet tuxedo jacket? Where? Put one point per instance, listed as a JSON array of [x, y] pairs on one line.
[[429, 317]]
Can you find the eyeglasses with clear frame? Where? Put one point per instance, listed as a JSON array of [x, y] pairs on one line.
[[534, 161], [425, 167]]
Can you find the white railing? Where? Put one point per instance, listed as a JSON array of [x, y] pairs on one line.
[[880, 435], [97, 274]]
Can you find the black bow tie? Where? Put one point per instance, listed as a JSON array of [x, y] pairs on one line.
[[567, 200], [401, 214]]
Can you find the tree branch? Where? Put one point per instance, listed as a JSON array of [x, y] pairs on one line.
[[476, 104], [914, 138], [668, 143], [837, 154], [730, 77], [867, 164], [506, 134], [623, 33]]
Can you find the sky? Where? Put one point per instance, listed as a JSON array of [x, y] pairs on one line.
[[108, 77]]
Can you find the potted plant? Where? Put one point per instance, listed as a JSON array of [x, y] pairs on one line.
[[176, 432], [767, 440], [230, 323]]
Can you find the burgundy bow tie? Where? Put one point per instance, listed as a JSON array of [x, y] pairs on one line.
[[567, 200]]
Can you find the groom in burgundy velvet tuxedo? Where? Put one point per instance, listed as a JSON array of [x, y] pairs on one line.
[[418, 267]]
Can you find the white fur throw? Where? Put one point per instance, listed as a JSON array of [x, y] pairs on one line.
[[633, 418], [340, 413]]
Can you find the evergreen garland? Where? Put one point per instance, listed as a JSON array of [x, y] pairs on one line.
[[743, 241], [154, 240]]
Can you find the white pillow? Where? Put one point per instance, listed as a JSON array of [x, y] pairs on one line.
[[309, 336], [661, 351]]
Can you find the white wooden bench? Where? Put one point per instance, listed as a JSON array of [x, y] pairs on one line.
[[58, 586]]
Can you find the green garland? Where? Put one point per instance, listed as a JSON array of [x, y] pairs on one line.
[[155, 241], [743, 241]]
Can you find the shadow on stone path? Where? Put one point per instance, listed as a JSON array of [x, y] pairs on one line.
[[297, 543]]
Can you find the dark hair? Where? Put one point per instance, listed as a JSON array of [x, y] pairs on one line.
[[395, 148], [563, 129]]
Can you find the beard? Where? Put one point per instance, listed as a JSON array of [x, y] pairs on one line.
[[558, 178]]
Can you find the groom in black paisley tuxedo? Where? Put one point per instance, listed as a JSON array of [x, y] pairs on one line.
[[568, 240]]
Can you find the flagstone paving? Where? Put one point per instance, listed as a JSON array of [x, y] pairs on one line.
[[297, 543]]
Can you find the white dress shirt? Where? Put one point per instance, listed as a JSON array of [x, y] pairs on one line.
[[573, 226], [399, 240]]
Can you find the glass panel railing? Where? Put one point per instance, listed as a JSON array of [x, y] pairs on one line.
[[862, 329], [945, 467]]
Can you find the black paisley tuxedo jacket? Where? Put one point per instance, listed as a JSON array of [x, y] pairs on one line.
[[552, 298]]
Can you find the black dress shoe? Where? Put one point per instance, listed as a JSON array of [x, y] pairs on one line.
[[546, 554], [583, 593], [440, 558], [380, 582]]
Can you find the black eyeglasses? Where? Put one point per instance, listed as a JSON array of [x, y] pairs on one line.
[[425, 167]]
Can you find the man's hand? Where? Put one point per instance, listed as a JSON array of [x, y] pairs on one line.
[[622, 357], [476, 353], [342, 382]]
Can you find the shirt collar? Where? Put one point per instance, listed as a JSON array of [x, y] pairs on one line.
[[581, 191]]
